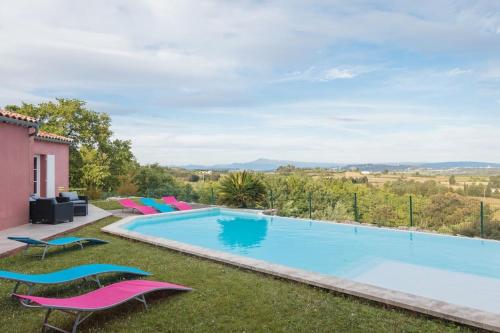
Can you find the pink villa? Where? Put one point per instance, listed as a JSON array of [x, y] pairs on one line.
[[31, 162]]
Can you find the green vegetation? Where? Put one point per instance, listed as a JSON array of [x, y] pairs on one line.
[[107, 167], [241, 189], [106, 204], [225, 299], [154, 181]]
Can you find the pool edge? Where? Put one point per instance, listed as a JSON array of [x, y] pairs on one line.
[[427, 306]]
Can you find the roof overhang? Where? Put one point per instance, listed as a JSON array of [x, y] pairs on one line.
[[18, 122], [50, 137]]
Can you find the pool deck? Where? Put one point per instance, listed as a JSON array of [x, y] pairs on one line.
[[464, 315], [46, 231]]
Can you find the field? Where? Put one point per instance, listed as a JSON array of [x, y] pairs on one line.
[[379, 179], [494, 204]]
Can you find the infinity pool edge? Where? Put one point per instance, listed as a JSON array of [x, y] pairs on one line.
[[464, 315]]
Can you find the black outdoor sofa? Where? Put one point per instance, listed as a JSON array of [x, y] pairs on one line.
[[80, 202], [48, 210]]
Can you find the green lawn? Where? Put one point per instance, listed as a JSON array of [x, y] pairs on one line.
[[106, 204], [225, 299]]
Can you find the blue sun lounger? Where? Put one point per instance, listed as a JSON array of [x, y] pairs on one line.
[[161, 207], [85, 272], [62, 241]]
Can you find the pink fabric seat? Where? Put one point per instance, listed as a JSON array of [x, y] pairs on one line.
[[129, 203], [98, 300], [180, 205]]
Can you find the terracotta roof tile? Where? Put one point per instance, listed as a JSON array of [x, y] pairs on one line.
[[41, 135], [52, 137], [18, 116]]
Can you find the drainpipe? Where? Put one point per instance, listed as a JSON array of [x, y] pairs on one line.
[[36, 127]]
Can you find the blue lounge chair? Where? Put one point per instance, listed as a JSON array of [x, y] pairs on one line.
[[62, 241], [161, 207], [85, 272]]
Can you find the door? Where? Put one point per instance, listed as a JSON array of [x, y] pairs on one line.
[[51, 176]]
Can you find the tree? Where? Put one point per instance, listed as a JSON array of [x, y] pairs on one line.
[[95, 170], [241, 189], [452, 180], [495, 181], [194, 178], [289, 168], [90, 131], [153, 181]]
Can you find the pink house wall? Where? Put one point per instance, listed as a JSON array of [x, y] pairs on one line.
[[16, 175], [61, 152], [17, 150]]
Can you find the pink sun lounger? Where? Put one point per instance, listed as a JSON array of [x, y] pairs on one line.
[[129, 203], [180, 205], [84, 306]]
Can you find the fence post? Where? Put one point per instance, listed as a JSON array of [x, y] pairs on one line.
[[309, 198], [482, 220], [411, 211], [212, 199], [271, 198], [356, 213]]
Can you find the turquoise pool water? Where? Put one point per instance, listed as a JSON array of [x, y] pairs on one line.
[[459, 270]]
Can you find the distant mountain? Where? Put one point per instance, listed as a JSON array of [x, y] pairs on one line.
[[460, 165], [271, 165], [262, 164]]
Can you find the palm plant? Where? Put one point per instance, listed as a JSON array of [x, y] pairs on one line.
[[241, 189]]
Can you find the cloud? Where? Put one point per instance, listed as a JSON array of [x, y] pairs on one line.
[[441, 142], [220, 49], [458, 71], [315, 130], [313, 74], [216, 81], [337, 73]]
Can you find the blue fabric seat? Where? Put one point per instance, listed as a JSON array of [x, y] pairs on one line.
[[161, 207], [91, 271], [62, 241]]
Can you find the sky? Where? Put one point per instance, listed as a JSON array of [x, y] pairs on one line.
[[208, 82]]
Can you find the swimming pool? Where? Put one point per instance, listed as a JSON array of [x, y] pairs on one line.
[[455, 270]]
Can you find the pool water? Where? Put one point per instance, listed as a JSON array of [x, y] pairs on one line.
[[457, 270]]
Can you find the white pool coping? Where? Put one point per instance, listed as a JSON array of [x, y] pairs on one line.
[[428, 306]]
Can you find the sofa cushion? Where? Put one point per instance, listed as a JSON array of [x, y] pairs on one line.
[[79, 202], [70, 195], [52, 200]]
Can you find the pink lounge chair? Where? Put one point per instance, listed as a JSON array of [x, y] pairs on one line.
[[98, 300], [180, 205], [129, 203]]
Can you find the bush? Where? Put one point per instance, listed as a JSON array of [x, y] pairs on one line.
[[241, 189], [154, 181]]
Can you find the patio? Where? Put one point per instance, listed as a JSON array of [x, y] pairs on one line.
[[45, 231]]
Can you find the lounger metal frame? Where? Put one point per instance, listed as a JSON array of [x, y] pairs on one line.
[[80, 316], [83, 314], [46, 247], [31, 286], [46, 244]]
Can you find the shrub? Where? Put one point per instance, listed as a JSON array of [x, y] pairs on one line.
[[241, 189]]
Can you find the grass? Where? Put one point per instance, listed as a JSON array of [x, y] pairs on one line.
[[106, 204], [225, 299]]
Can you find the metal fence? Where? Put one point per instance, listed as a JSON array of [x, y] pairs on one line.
[[470, 217]]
